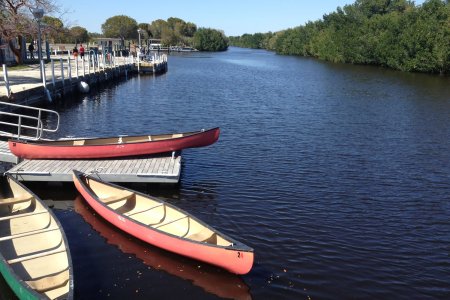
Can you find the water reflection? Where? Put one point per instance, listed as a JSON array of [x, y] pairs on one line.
[[5, 291], [211, 279]]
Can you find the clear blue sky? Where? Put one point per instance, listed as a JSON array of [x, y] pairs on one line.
[[235, 17]]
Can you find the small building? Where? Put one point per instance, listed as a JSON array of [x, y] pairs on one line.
[[110, 44], [6, 55]]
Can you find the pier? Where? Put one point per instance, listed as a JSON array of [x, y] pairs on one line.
[[60, 77]]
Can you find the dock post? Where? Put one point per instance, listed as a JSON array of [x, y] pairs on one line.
[[53, 74], [5, 77], [62, 71], [76, 67], [69, 69], [44, 83], [84, 70], [138, 62]]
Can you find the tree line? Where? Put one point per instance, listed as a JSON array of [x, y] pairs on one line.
[[390, 33], [17, 26], [171, 32]]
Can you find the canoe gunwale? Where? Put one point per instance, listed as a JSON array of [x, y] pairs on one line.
[[54, 143], [103, 148], [236, 245], [7, 267]]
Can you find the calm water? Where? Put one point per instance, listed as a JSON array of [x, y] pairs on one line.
[[338, 176]]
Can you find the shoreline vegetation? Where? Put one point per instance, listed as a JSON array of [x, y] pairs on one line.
[[396, 34]]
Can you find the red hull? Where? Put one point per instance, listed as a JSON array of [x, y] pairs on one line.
[[222, 284], [236, 261], [44, 150]]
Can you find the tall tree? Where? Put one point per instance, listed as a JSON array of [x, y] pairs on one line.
[[157, 27], [207, 39], [121, 26], [189, 29], [79, 34], [54, 30], [16, 19]]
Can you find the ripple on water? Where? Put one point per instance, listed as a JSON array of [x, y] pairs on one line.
[[336, 175]]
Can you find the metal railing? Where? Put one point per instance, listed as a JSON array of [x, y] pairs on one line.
[[28, 122]]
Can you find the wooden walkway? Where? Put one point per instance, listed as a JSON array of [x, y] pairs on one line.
[[6, 155], [159, 169]]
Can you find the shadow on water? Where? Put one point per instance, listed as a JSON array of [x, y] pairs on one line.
[[5, 291]]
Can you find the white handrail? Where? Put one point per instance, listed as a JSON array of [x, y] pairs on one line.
[[38, 126]]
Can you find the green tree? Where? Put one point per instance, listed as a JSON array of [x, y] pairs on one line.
[[207, 39], [121, 26], [390, 33], [426, 38], [174, 31], [156, 28], [79, 34], [189, 29], [94, 35], [16, 22], [53, 29]]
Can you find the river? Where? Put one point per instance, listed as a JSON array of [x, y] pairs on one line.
[[337, 175]]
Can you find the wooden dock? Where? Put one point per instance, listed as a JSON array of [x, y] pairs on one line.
[[159, 169], [6, 155]]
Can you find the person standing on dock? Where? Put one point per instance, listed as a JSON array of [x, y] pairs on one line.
[[75, 52], [81, 51], [31, 49]]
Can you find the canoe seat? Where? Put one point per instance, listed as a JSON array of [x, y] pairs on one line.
[[205, 235], [170, 222], [33, 232], [132, 213], [123, 195], [78, 143], [15, 200], [48, 283], [23, 215], [60, 249]]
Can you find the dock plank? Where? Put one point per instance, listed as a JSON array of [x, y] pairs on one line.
[[129, 166], [160, 169]]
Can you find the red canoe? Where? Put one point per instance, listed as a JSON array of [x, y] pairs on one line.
[[163, 225], [222, 284], [112, 147]]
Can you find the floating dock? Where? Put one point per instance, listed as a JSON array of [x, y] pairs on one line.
[[6, 155], [155, 169]]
